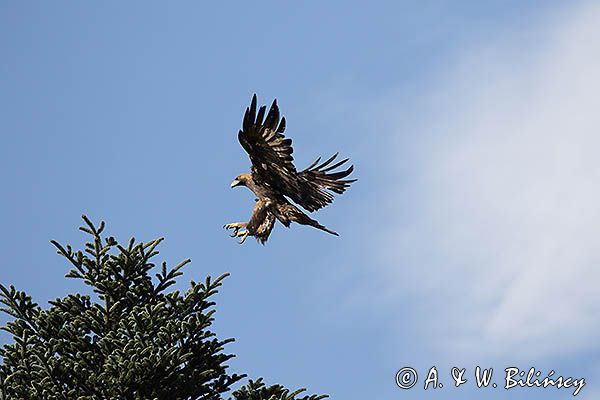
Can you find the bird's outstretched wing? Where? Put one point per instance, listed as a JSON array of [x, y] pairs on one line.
[[317, 179], [269, 151], [272, 161]]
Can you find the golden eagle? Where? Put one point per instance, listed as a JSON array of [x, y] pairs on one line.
[[274, 178]]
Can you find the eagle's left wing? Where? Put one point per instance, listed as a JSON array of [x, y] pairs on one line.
[[317, 180]]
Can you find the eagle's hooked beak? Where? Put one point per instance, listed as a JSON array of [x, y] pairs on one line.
[[235, 183]]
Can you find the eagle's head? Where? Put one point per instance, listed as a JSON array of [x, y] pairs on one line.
[[241, 180]]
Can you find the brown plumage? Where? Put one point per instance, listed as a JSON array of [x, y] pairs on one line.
[[274, 178]]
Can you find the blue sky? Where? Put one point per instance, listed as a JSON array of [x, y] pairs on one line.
[[469, 238]]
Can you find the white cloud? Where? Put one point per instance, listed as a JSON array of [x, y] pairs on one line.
[[504, 240]]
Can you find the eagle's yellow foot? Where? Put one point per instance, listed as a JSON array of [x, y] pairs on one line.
[[243, 234], [236, 226]]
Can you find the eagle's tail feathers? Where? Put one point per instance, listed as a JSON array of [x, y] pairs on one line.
[[321, 227], [301, 218]]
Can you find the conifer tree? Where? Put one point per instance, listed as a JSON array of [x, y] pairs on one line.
[[130, 338]]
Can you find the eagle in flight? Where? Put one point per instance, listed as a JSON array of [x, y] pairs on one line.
[[274, 178]]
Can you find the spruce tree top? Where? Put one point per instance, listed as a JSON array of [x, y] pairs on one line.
[[130, 339]]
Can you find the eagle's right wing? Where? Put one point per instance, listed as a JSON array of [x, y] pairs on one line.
[[269, 151]]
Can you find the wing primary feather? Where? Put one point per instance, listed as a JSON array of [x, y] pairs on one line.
[[325, 163], [313, 164], [334, 166], [281, 127], [275, 121], [247, 124], [260, 116], [253, 107], [271, 116], [341, 174]]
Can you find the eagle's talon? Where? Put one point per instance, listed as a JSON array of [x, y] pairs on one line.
[[235, 225], [243, 234], [237, 230]]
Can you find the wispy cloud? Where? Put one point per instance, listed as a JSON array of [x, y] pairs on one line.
[[504, 238]]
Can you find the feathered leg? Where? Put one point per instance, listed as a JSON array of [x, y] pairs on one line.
[[260, 224]]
